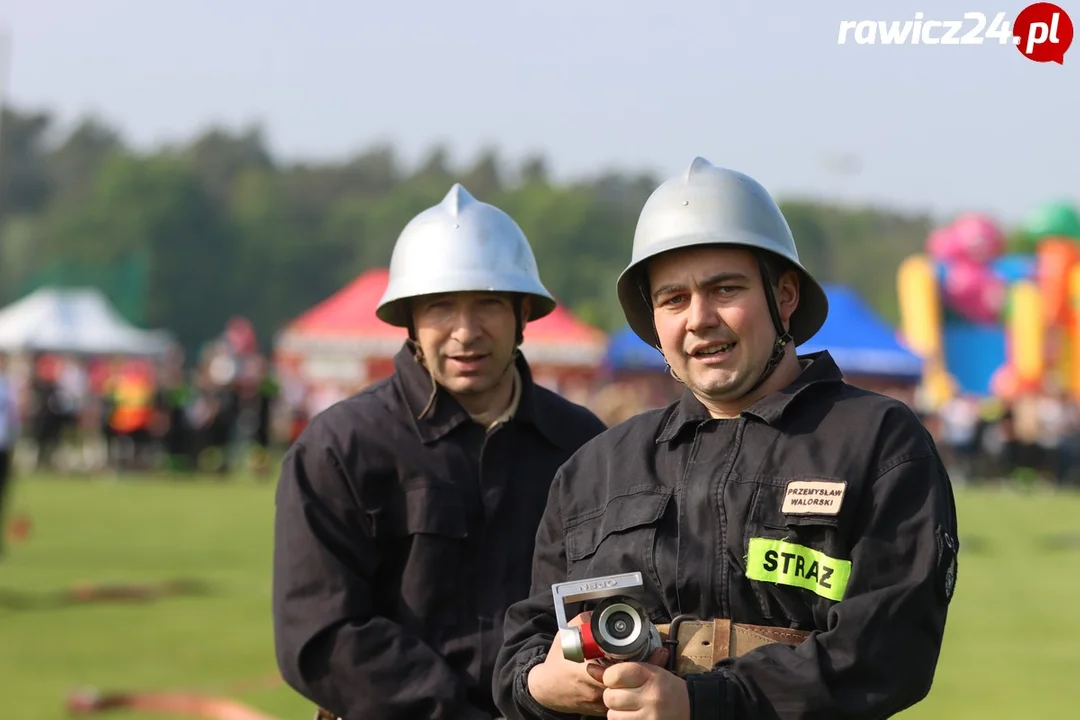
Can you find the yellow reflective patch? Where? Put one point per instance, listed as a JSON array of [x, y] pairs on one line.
[[784, 563]]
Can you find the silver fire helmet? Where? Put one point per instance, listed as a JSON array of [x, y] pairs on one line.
[[710, 205], [461, 245]]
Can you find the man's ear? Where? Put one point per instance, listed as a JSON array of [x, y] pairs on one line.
[[526, 309], [787, 295]]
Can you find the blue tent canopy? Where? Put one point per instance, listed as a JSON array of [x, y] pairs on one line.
[[859, 341], [626, 351]]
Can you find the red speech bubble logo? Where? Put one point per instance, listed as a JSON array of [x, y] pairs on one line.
[[1043, 32]]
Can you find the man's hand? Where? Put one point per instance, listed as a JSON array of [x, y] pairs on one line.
[[643, 691], [564, 685]]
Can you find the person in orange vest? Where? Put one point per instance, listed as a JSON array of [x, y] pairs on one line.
[[133, 408]]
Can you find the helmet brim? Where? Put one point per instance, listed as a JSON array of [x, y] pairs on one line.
[[397, 312]]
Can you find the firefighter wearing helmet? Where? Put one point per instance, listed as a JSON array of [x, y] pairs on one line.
[[406, 514], [796, 536]]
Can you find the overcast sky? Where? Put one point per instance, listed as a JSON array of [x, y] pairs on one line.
[[594, 84]]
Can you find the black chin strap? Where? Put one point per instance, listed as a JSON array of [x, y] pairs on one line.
[[783, 337]]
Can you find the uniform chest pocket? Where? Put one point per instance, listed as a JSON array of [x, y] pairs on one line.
[[423, 510], [795, 551], [619, 537], [425, 556]]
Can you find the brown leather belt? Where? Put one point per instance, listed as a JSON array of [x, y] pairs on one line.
[[703, 643]]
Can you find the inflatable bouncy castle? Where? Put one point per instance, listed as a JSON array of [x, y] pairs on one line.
[[993, 320]]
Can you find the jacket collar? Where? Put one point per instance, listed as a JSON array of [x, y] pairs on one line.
[[446, 414], [817, 369]]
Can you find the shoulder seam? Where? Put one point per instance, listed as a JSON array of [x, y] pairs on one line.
[[898, 460]]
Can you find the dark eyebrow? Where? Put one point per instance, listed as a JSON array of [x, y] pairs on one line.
[[718, 279]]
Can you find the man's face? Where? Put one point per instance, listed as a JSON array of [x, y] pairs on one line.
[[713, 320], [467, 339]]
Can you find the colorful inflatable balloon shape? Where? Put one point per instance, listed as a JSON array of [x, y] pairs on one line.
[[1004, 384], [1025, 332], [979, 238], [1054, 219], [974, 292], [944, 245], [1014, 267], [1056, 258]]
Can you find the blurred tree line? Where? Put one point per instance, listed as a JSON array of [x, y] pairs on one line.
[[187, 236]]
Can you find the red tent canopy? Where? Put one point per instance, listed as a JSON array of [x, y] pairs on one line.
[[350, 311], [561, 325], [560, 338]]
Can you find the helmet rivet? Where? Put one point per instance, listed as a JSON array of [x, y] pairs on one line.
[[685, 202], [456, 226]]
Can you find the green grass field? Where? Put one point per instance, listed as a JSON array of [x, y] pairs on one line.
[[1012, 647]]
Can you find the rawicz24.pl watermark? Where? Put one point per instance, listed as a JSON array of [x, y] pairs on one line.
[[1041, 32]]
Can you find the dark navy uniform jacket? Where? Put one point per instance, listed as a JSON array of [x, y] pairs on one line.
[[824, 508]]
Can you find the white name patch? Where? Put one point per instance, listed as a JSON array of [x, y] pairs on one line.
[[814, 497]]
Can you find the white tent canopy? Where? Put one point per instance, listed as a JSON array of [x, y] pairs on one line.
[[77, 320]]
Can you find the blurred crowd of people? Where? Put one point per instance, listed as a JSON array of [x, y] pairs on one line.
[[981, 439], [223, 411], [1035, 436], [229, 412], [89, 414]]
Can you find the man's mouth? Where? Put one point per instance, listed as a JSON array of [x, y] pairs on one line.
[[713, 349], [467, 358]]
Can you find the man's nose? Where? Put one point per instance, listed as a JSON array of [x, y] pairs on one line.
[[466, 327], [701, 314]]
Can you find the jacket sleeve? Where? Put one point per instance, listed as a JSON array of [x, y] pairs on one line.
[[331, 647], [880, 650], [530, 625]]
